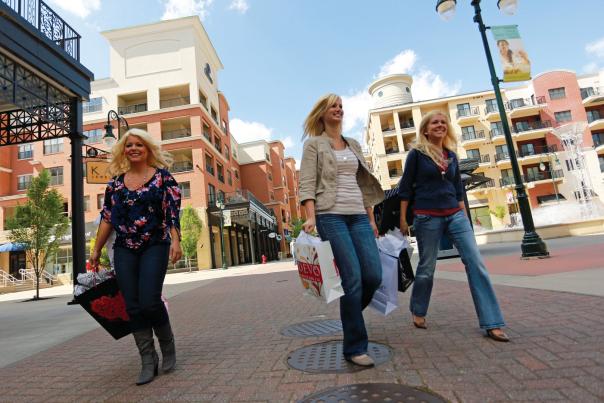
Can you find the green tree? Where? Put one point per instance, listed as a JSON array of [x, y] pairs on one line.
[[190, 228], [104, 260], [39, 224], [297, 226], [500, 212]]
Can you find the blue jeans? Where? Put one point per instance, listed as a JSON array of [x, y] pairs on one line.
[[428, 231], [357, 257], [140, 275]]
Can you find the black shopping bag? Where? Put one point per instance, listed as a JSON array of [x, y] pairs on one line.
[[105, 303], [405, 271]]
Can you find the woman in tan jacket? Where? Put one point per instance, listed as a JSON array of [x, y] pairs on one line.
[[338, 193]]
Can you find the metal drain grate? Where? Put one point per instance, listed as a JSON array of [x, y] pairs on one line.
[[372, 392], [314, 328], [325, 358]]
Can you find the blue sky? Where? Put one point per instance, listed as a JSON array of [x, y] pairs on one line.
[[281, 55]]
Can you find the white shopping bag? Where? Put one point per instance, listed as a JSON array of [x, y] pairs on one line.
[[385, 299], [317, 268]]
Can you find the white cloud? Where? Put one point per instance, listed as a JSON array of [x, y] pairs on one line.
[[240, 6], [595, 51], [297, 164], [249, 131], [426, 85], [185, 8], [288, 142], [81, 8]]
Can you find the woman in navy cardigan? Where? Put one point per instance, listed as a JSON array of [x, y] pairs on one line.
[[432, 180]]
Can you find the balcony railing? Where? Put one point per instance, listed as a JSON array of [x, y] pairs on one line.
[[473, 136], [395, 173], [540, 176], [392, 150], [591, 91], [507, 181], [388, 130], [521, 127], [486, 158], [474, 111], [495, 133], [523, 102], [488, 184], [49, 23], [182, 166], [175, 134], [491, 109], [124, 110], [502, 156], [169, 103], [407, 125], [537, 150]]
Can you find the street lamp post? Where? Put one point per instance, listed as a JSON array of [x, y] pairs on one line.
[[109, 137], [532, 245], [220, 204]]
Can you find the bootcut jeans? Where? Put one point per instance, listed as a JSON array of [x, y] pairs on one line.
[[428, 232], [140, 275], [356, 254]]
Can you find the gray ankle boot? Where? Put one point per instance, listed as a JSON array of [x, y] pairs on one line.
[[149, 358], [166, 343]]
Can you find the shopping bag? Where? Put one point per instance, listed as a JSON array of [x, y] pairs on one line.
[[105, 303], [405, 270], [395, 244], [385, 299], [317, 268]]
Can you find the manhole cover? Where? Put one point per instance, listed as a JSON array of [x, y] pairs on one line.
[[314, 328], [372, 392], [328, 358]]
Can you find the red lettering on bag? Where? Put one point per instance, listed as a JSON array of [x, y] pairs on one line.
[[311, 272]]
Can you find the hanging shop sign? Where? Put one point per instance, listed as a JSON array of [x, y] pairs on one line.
[[96, 172]]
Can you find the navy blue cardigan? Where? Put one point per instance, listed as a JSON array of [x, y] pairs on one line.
[[423, 182]]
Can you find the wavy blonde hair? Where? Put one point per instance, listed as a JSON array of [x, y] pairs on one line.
[[424, 146], [313, 124], [157, 157]]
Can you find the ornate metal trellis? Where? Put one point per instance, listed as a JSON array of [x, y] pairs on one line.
[[49, 23], [43, 112]]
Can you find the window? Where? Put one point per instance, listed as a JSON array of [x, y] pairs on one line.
[[23, 182], [226, 153], [214, 115], [507, 177], [492, 105], [229, 178], [467, 132], [203, 99], [563, 116], [220, 172], [593, 115], [185, 190], [501, 152], [221, 196], [463, 109], [217, 143], [206, 131], [210, 164], [211, 194], [100, 198], [94, 105], [473, 153], [56, 176], [601, 160], [598, 138], [270, 176], [517, 103], [557, 93], [53, 146], [236, 173], [86, 203], [533, 174], [522, 126], [496, 129], [26, 151], [527, 149], [93, 136]]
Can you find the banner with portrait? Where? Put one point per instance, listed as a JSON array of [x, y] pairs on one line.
[[514, 59]]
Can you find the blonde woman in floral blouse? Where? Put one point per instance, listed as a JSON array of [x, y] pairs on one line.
[[142, 204]]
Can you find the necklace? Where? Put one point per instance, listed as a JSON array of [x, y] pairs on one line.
[[135, 181]]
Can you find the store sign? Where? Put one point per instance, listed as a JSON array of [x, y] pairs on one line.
[[96, 172], [226, 218]]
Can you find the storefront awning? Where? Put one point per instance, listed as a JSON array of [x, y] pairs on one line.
[[11, 247]]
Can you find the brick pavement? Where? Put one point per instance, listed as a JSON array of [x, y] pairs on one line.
[[230, 349]]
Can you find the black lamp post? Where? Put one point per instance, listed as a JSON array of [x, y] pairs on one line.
[[220, 204], [532, 245], [109, 137]]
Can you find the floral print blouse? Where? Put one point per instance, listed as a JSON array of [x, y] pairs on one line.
[[144, 216]]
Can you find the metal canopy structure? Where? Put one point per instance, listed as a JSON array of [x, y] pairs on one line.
[[42, 86]]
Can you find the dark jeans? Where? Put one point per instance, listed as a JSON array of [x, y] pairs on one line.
[[356, 254], [140, 275]]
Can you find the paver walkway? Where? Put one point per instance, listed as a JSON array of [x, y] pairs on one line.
[[230, 349]]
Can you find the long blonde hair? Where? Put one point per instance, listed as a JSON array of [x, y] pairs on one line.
[[424, 146], [313, 124], [157, 157]]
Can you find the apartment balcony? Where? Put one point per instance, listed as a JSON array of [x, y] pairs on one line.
[[531, 130], [407, 127], [501, 158], [132, 103], [506, 181], [175, 134], [183, 161], [135, 108], [172, 129], [598, 146], [395, 173], [523, 107], [389, 132], [173, 102], [392, 150], [468, 115], [491, 113], [592, 96], [497, 136], [595, 121], [536, 153], [544, 177], [489, 184], [174, 96], [478, 137], [484, 160]]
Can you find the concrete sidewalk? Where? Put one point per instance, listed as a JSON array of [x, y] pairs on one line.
[[227, 326]]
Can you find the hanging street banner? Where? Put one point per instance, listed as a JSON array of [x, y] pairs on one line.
[[96, 172], [514, 59]]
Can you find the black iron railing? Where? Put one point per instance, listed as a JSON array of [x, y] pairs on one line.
[[537, 150], [479, 135], [124, 110], [172, 102], [175, 134], [520, 127], [473, 111], [558, 173], [49, 23], [524, 102]]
